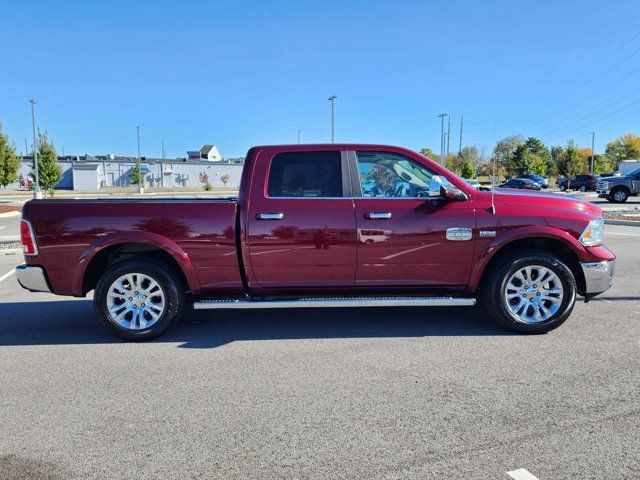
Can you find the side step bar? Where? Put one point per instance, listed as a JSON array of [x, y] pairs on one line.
[[337, 302]]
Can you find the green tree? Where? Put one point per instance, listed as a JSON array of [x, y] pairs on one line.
[[569, 163], [504, 151], [453, 163], [49, 170], [603, 164], [468, 169], [532, 157], [135, 175], [427, 152], [9, 161], [624, 147]]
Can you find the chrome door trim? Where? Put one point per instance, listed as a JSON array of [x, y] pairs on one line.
[[269, 216]]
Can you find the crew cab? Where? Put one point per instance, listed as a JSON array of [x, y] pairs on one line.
[[337, 225]]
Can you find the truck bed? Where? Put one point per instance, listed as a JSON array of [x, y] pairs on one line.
[[199, 233]]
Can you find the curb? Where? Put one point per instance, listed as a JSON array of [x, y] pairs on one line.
[[14, 213], [626, 223]]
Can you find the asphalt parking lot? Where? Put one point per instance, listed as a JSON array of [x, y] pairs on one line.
[[372, 393]]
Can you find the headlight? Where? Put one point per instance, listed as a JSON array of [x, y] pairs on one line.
[[594, 233], [604, 185]]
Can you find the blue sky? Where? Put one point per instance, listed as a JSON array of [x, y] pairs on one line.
[[242, 73]]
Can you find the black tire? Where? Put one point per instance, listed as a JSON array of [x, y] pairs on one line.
[[495, 284], [170, 286], [563, 188], [583, 188], [619, 195]]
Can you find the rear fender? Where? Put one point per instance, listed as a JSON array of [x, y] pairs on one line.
[[163, 243]]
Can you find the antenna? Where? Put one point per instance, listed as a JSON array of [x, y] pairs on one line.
[[492, 209]]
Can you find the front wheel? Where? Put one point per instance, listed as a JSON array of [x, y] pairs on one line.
[[530, 292], [138, 299], [563, 188], [620, 195], [583, 189]]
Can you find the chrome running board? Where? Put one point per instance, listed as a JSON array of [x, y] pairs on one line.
[[337, 302]]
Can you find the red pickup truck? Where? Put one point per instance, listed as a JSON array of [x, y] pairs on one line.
[[321, 226]]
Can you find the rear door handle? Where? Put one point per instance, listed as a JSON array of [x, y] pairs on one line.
[[377, 215], [269, 216]]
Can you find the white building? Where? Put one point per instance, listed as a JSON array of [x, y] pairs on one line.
[[206, 152]]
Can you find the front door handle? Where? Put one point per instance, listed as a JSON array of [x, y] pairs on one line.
[[269, 216], [377, 215]]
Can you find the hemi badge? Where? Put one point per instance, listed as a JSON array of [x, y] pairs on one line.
[[487, 233], [459, 234]]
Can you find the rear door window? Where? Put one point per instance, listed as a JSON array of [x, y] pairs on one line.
[[305, 174]]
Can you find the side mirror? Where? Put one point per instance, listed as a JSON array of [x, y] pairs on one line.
[[441, 188]]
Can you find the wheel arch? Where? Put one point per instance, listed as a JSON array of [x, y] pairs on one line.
[[111, 250], [569, 250]]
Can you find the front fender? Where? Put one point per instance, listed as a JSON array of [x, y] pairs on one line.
[[120, 238], [501, 241]]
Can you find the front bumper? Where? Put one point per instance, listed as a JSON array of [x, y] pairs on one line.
[[598, 276], [32, 278]]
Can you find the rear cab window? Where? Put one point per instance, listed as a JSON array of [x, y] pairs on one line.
[[306, 175]]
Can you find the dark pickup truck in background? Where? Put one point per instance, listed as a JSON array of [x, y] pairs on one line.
[[618, 189], [321, 226]]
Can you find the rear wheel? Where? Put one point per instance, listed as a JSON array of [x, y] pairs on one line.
[[138, 300], [563, 188], [530, 292], [583, 188]]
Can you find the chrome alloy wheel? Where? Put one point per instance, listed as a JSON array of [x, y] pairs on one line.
[[533, 294], [619, 196], [135, 301]]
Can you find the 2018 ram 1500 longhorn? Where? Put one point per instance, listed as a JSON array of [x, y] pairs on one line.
[[321, 226]]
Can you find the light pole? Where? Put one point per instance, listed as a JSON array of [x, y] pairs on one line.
[[140, 187], [441, 116], [36, 192], [461, 124], [593, 141], [162, 166], [299, 136], [332, 99], [448, 134]]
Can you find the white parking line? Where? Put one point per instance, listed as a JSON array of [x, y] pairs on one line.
[[7, 275], [521, 474], [3, 226], [625, 234]]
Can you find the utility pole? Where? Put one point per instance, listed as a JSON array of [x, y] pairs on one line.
[[162, 166], [441, 116], [461, 124], [26, 147], [140, 187], [593, 141], [36, 192], [299, 136], [332, 99], [448, 134]]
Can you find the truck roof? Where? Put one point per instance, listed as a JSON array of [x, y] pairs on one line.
[[306, 147]]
